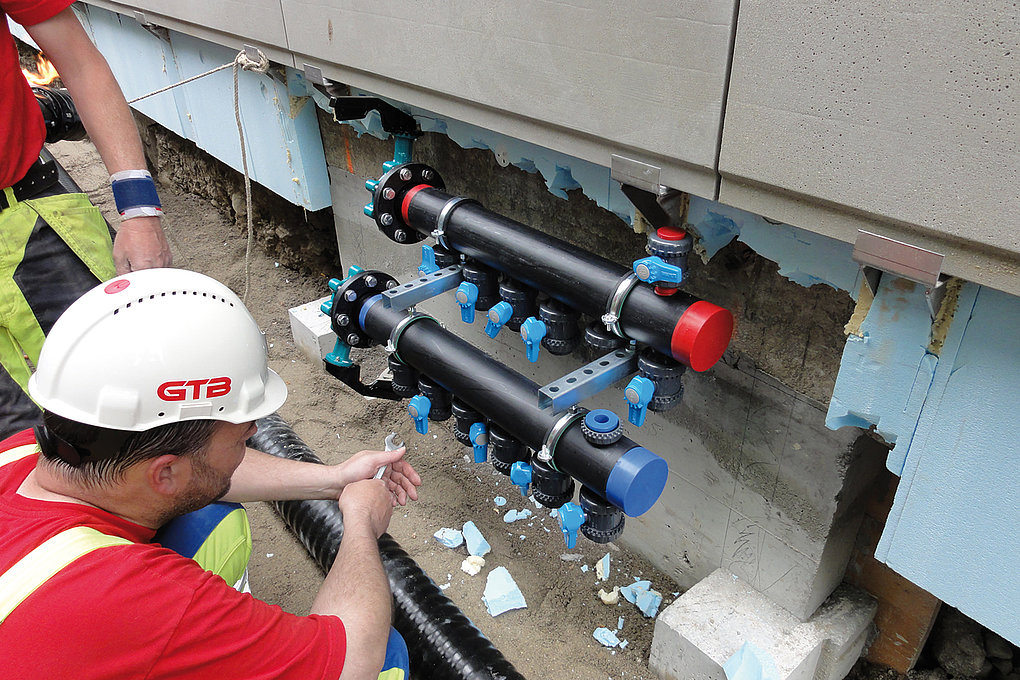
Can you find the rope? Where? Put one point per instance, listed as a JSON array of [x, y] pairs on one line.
[[241, 62]]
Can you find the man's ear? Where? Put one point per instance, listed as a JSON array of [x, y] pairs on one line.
[[168, 474]]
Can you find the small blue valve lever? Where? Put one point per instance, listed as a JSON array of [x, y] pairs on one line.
[[655, 270], [638, 394], [341, 354], [499, 314], [428, 260], [467, 296], [532, 332], [418, 408], [520, 475], [479, 441], [571, 518]]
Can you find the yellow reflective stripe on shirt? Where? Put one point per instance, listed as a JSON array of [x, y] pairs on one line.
[[38, 566], [17, 453]]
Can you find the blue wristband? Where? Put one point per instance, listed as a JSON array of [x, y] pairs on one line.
[[134, 191]]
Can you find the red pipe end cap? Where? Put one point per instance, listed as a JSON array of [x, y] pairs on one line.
[[670, 233], [702, 335]]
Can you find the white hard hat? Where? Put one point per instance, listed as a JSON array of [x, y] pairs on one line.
[[154, 347]]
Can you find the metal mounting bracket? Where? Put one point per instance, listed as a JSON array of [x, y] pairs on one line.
[[422, 288], [879, 254], [634, 173], [588, 380], [158, 31]]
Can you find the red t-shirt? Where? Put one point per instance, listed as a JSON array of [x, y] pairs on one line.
[[140, 610], [22, 130]]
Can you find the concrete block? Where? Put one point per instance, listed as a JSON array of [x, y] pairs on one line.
[[311, 331], [700, 631]]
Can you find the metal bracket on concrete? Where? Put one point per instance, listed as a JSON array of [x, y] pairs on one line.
[[158, 31], [422, 288], [588, 380], [879, 254], [634, 173], [313, 74]]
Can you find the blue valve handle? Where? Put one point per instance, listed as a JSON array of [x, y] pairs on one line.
[[479, 441], [418, 408], [532, 332], [655, 270], [467, 296], [638, 394], [499, 314], [571, 518], [520, 475], [428, 260]]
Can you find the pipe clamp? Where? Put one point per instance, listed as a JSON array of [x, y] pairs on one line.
[[398, 330], [545, 454], [439, 233], [612, 316]]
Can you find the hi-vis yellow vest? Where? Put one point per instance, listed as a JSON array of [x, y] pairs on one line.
[[26, 575]]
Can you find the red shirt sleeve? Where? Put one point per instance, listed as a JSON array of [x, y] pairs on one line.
[[29, 12]]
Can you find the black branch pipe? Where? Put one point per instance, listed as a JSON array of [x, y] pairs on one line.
[[629, 476], [443, 643], [693, 331]]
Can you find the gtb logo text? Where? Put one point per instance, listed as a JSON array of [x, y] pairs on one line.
[[207, 388]]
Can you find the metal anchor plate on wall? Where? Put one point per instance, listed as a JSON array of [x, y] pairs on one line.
[[877, 254]]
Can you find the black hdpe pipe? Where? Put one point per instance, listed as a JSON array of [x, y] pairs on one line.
[[692, 331], [629, 476], [443, 643]]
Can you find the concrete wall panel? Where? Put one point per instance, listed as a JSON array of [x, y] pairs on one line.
[[233, 23], [644, 79], [905, 117]]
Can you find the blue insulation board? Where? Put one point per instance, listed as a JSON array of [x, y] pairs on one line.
[[953, 526], [283, 144], [955, 421]]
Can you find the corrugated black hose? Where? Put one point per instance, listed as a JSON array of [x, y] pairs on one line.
[[443, 643]]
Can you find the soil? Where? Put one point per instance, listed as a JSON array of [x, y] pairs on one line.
[[552, 637]]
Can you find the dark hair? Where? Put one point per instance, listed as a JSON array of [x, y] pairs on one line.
[[104, 466]]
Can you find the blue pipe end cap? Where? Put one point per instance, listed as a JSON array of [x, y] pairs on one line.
[[637, 481]]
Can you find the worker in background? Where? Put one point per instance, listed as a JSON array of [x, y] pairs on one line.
[[150, 384], [56, 245]]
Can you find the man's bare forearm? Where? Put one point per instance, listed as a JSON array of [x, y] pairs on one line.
[[356, 590], [262, 477]]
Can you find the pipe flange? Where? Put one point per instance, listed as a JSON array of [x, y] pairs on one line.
[[348, 302], [612, 316], [439, 233], [388, 198], [398, 330], [548, 450]]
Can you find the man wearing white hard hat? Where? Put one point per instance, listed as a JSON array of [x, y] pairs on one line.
[[151, 384]]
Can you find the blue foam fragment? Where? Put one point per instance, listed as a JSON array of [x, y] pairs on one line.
[[501, 593], [631, 592], [451, 538], [476, 544], [606, 637], [648, 602], [499, 501]]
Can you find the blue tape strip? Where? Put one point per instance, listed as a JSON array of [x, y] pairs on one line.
[[367, 305], [136, 192]]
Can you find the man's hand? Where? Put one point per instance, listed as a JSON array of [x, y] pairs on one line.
[[368, 500], [140, 244], [400, 478]]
